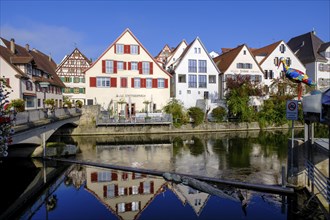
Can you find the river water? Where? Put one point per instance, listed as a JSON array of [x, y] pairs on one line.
[[87, 192]]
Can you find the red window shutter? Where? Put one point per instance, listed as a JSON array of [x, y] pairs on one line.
[[143, 83], [114, 176], [130, 191], [154, 83], [151, 68], [123, 82], [126, 48], [129, 66], [132, 85], [94, 177], [92, 81], [125, 191], [151, 187], [116, 190], [103, 66], [114, 66], [125, 64], [133, 174], [140, 189], [113, 82], [140, 67], [105, 189], [7, 82], [138, 49], [128, 206], [115, 48], [166, 83]]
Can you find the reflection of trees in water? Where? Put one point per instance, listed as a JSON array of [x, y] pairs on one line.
[[196, 148], [239, 152]]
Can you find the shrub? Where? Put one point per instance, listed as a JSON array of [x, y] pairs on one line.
[[51, 103], [18, 104], [79, 103], [219, 113], [197, 115], [175, 107]]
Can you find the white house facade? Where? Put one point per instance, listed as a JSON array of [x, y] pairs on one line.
[[126, 79], [25, 71], [195, 77], [269, 57], [239, 61]]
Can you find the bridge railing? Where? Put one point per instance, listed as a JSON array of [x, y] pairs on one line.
[[40, 114]]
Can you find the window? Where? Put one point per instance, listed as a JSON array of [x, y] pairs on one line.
[[134, 49], [182, 78], [288, 61], [29, 86], [282, 48], [244, 66], [135, 206], [76, 90], [202, 81], [202, 66], [134, 66], [244, 52], [192, 81], [321, 67], [145, 68], [197, 50], [212, 79], [271, 74], [120, 65], [188, 91], [109, 66], [29, 101], [148, 83], [161, 83], [121, 191], [67, 79], [121, 207], [192, 66], [137, 83], [135, 190], [39, 102], [102, 82], [103, 177], [276, 61], [76, 80], [123, 82], [266, 74], [119, 48], [67, 90]]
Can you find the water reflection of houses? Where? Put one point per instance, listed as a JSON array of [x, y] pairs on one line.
[[137, 155], [187, 195], [125, 194]]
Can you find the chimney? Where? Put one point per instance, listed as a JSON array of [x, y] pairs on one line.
[[50, 57], [27, 47], [12, 45]]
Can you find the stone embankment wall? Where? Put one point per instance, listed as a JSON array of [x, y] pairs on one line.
[[89, 115]]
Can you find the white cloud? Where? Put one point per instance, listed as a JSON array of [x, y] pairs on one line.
[[49, 39]]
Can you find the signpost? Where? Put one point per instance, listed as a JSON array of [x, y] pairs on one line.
[[292, 114]]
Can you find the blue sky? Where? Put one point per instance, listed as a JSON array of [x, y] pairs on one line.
[[56, 27]]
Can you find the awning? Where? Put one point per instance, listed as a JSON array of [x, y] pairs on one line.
[[29, 94]]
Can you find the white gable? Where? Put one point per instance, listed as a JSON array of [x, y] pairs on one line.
[[174, 58], [244, 64]]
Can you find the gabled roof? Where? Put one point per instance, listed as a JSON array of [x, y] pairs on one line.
[[175, 50], [38, 59], [307, 47], [68, 56], [224, 60], [188, 48], [324, 46], [139, 43], [162, 50], [266, 51]]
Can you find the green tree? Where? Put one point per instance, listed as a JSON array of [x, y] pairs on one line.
[[18, 104], [219, 113], [175, 107]]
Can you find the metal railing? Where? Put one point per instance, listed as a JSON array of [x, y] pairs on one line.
[[104, 119], [319, 180]]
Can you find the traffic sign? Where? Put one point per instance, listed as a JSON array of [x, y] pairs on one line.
[[292, 110]]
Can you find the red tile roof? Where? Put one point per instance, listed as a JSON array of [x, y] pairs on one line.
[[266, 51]]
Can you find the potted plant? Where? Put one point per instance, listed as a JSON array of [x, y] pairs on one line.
[[18, 104]]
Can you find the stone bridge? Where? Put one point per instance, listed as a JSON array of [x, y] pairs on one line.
[[32, 128]]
